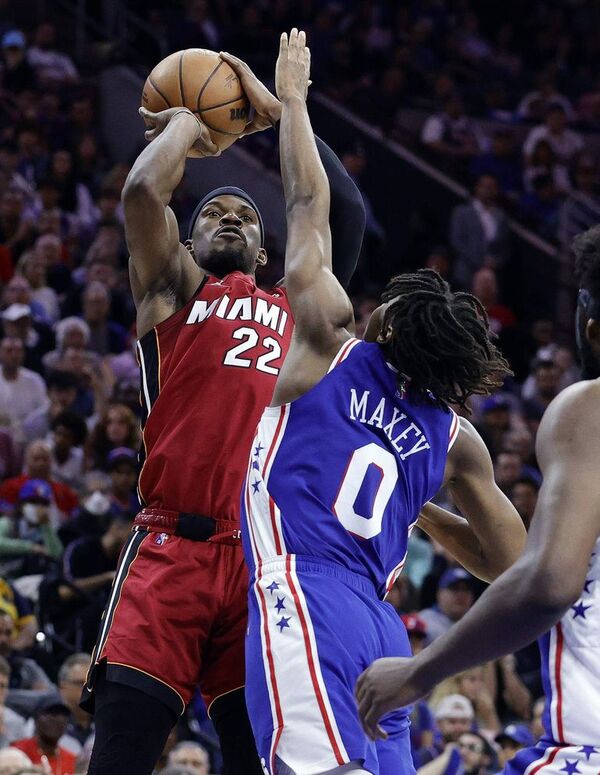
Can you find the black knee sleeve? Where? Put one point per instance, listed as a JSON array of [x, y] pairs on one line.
[[131, 730], [230, 718]]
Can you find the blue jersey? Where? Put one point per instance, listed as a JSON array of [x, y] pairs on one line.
[[341, 473]]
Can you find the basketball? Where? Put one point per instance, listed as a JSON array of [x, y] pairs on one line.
[[200, 80]]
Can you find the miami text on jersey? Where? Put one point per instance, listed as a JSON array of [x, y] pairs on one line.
[[248, 308], [409, 436]]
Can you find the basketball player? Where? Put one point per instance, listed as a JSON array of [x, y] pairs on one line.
[[211, 344], [358, 438], [554, 586]]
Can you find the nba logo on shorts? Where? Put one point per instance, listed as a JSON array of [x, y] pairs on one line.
[[161, 539]]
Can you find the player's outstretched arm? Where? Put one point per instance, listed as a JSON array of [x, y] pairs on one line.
[[532, 595], [320, 305], [159, 262], [347, 215]]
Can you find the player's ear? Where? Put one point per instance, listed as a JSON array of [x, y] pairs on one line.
[[261, 258], [189, 245], [592, 332]]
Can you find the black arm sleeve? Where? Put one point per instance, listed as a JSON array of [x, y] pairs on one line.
[[347, 216]]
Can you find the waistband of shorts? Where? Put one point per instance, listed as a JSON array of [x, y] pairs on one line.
[[304, 564], [195, 527]]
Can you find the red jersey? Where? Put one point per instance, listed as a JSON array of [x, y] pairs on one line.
[[63, 763], [208, 372]]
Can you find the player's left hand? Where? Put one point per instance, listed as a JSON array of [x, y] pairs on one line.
[[267, 108], [385, 685], [292, 71]]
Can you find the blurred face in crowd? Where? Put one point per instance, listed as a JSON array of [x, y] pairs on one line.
[[12, 354], [35, 271], [61, 398], [503, 144], [38, 460], [470, 683], [118, 426], [73, 360], [508, 468], [62, 164], [485, 287], [547, 380], [74, 337], [49, 222], [63, 439], [452, 728], [486, 190], [7, 632], [498, 419], [28, 141], [455, 600], [50, 726], [123, 477], [82, 113], [48, 248], [11, 205], [103, 273], [17, 291], [96, 304], [18, 328], [45, 36], [519, 441], [472, 752], [556, 120], [49, 196], [454, 107], [543, 332], [192, 757], [524, 498], [72, 685]]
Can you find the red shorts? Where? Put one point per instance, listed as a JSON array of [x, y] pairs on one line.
[[176, 618]]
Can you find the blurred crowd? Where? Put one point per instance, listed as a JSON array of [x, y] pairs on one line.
[[69, 382]]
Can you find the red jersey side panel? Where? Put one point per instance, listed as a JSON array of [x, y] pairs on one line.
[[207, 374]]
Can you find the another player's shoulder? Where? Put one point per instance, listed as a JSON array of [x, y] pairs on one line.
[[468, 453], [573, 418]]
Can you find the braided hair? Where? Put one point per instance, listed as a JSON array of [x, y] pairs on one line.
[[440, 341]]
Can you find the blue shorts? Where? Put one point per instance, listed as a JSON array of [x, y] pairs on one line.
[[549, 758], [313, 628]]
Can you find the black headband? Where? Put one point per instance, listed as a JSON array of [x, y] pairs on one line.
[[227, 191]]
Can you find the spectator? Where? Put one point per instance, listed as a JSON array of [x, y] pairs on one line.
[[105, 335], [122, 465], [25, 674], [75, 197], [62, 393], [451, 133], [9, 455], [540, 207], [33, 267], [524, 495], [15, 228], [37, 337], [511, 740], [17, 74], [94, 514], [51, 720], [27, 538], [20, 609], [479, 233], [475, 753], [18, 291], [69, 432], [565, 143], [501, 162], [12, 725], [474, 684], [71, 332], [495, 421], [49, 247], [71, 679], [508, 468], [21, 390], [485, 287], [535, 104], [89, 565], [545, 387], [454, 598], [38, 465], [52, 67], [190, 755], [118, 427], [454, 717], [543, 161], [581, 209]]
